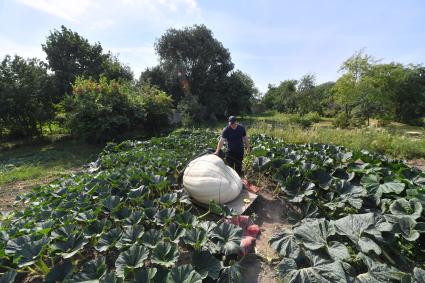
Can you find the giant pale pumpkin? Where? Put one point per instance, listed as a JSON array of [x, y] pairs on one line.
[[207, 178]]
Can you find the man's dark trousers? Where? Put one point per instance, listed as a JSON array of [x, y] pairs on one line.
[[234, 160]]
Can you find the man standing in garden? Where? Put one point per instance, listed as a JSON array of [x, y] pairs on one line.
[[235, 136]]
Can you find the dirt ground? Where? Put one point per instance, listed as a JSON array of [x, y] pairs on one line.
[[418, 163], [9, 192], [271, 218]]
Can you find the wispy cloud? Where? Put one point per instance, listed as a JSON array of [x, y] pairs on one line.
[[11, 47], [97, 14]]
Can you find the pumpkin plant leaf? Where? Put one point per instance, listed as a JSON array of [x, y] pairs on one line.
[[228, 238], [165, 254], [132, 258], [183, 274], [206, 264], [412, 207]]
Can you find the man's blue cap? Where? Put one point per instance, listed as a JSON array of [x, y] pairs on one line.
[[232, 119]]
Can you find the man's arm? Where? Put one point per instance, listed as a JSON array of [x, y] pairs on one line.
[[246, 142], [219, 145]]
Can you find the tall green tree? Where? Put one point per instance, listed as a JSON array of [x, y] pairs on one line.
[[27, 96], [355, 88], [307, 100], [198, 64], [283, 97], [70, 55], [240, 92]]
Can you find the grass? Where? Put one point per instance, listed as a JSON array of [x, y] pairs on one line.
[[391, 140], [33, 163]]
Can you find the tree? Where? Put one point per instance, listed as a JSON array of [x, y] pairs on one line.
[[307, 100], [27, 96], [71, 55], [197, 64], [113, 69], [356, 87], [409, 99], [240, 92], [283, 97], [325, 96]]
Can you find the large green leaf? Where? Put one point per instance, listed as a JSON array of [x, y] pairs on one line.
[[186, 220], [144, 275], [183, 274], [108, 239], [196, 238], [314, 233], [297, 191], [326, 273], [174, 233], [151, 238], [306, 210], [285, 244], [130, 236], [71, 246], [95, 228], [111, 202], [206, 264], [379, 272], [359, 228], [60, 272], [165, 254], [132, 258], [377, 186], [228, 237], [350, 194], [92, 270], [232, 273], [407, 226], [412, 207], [30, 251], [165, 216]]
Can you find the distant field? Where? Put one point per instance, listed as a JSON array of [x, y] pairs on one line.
[[393, 139]]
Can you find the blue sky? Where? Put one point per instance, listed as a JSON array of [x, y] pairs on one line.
[[270, 40]]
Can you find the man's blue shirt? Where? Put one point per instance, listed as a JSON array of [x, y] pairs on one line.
[[234, 138]]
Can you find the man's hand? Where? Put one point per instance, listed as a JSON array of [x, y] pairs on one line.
[[216, 152]]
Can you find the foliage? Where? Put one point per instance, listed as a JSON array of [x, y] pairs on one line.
[[70, 55], [282, 97], [27, 96], [112, 223], [101, 111], [347, 212]]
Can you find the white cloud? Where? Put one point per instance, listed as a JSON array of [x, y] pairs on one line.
[[11, 47], [97, 14], [67, 10]]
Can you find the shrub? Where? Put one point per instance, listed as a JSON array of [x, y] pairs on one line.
[[155, 107], [341, 120], [305, 120], [100, 111]]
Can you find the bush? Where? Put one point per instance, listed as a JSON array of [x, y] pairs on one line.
[[306, 120], [100, 111], [155, 104], [341, 121], [192, 111]]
